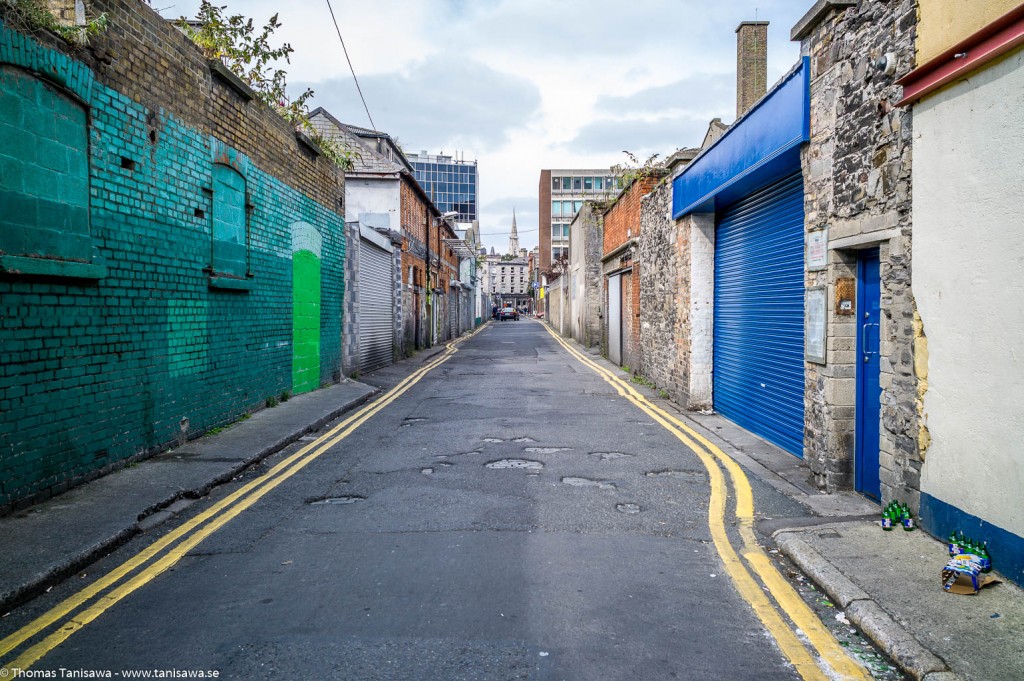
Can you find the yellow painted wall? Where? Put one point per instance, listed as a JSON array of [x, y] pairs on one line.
[[944, 23]]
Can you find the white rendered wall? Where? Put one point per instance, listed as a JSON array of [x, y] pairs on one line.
[[377, 197], [968, 265], [702, 307]]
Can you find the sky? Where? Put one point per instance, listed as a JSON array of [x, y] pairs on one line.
[[523, 85]]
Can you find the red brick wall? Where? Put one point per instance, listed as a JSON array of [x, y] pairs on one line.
[[624, 216], [544, 220]]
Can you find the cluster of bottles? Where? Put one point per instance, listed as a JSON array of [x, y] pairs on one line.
[[897, 513], [960, 545]]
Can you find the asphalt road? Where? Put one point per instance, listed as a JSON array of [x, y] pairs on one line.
[[509, 517]]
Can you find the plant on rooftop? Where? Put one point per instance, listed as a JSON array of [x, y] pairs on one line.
[[33, 15], [634, 169], [248, 53]]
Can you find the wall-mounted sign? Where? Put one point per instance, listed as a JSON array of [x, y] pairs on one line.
[[815, 317], [817, 249], [846, 292]]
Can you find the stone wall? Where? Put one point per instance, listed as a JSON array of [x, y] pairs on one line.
[[857, 183], [664, 295], [141, 322]]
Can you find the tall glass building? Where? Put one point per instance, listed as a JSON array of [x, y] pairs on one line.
[[451, 183]]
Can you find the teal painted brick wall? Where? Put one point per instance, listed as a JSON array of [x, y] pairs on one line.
[[94, 372]]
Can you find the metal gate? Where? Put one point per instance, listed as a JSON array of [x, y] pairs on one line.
[[376, 307], [759, 313], [615, 319], [453, 313]]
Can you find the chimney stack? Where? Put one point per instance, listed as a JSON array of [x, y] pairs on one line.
[[751, 64]]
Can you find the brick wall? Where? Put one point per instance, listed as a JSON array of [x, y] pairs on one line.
[[544, 220], [621, 226], [139, 345], [857, 174], [751, 64]]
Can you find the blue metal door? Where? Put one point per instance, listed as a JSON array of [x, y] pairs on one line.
[[869, 392], [759, 313]]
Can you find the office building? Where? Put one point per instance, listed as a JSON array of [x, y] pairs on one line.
[[562, 193], [451, 183]]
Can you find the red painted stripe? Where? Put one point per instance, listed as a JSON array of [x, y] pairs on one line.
[[991, 42]]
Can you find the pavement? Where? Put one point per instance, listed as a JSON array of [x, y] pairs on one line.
[[885, 583]]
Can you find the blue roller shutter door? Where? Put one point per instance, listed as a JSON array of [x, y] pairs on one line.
[[759, 313]]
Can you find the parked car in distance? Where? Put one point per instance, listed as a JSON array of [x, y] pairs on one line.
[[509, 312]]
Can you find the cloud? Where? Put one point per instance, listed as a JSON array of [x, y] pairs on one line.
[[639, 136], [703, 93], [442, 102]]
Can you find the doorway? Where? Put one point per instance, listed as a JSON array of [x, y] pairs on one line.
[[869, 392]]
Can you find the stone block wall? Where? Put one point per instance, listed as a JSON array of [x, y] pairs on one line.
[[857, 183], [664, 295], [141, 343]]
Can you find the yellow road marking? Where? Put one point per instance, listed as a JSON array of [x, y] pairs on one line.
[[231, 506], [788, 599]]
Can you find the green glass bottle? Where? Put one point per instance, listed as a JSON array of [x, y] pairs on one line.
[[887, 518]]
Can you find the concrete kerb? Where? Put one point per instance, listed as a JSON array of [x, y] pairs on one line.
[[906, 651], [157, 513]]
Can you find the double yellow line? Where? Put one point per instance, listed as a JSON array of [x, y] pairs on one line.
[[835, 663], [164, 553]]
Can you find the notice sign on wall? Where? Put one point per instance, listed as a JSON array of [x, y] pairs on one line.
[[817, 250], [814, 324]]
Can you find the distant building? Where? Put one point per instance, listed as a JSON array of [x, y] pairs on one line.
[[562, 193], [451, 183]]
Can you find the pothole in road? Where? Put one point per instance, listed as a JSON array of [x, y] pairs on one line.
[[493, 439], [546, 450], [427, 471], [628, 509], [411, 420], [587, 482], [610, 456], [524, 439], [335, 500], [688, 475], [515, 463]]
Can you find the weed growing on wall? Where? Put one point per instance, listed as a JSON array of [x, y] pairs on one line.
[[33, 15], [248, 52]]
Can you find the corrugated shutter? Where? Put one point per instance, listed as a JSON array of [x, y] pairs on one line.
[[759, 313], [453, 313], [376, 307]]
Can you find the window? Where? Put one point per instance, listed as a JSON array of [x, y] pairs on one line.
[[599, 183], [230, 222], [588, 183], [567, 183], [556, 209], [576, 207], [567, 210], [44, 176], [565, 231], [556, 183], [577, 183], [556, 231]]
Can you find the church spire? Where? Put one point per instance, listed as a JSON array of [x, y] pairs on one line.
[[513, 239]]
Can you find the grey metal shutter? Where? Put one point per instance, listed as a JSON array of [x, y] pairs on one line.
[[376, 307], [759, 313], [453, 313]]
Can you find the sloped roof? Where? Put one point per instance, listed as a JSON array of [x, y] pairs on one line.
[[368, 160]]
